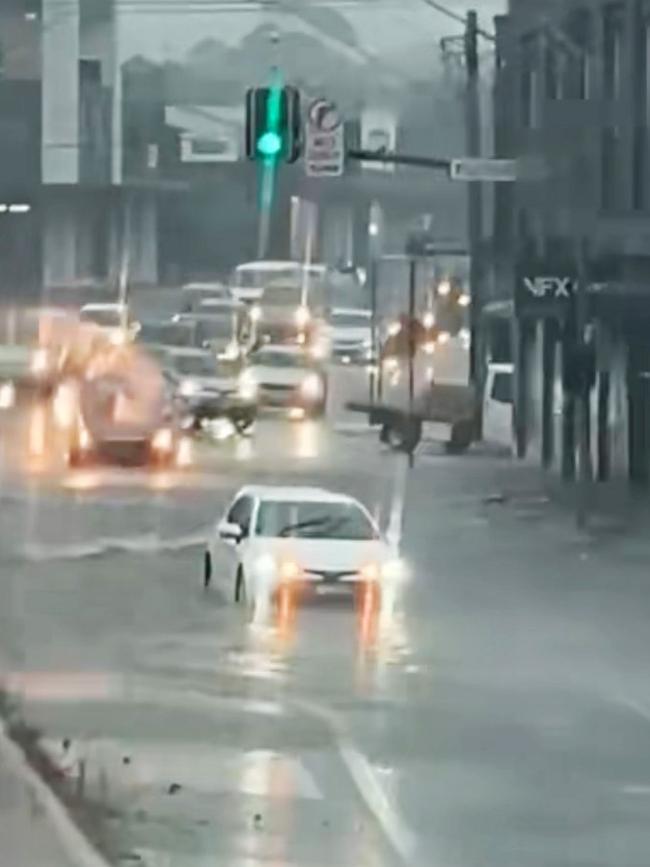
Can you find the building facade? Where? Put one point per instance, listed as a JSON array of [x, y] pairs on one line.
[[571, 247]]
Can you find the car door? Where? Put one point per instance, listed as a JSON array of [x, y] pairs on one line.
[[497, 415], [230, 552]]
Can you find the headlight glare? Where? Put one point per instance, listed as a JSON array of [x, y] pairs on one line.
[[163, 440], [311, 387], [189, 388]]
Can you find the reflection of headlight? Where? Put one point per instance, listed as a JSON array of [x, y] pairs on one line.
[[429, 347], [85, 440], [311, 386], [265, 567], [443, 337], [463, 300], [255, 313], [391, 364], [247, 386], [302, 317], [40, 361], [189, 388], [394, 329], [163, 440]]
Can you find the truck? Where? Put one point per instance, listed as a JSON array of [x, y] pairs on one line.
[[445, 406]]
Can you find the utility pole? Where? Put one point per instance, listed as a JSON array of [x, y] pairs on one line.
[[585, 469], [475, 191], [412, 343]]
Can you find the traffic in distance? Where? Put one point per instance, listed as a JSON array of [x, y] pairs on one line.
[[106, 387]]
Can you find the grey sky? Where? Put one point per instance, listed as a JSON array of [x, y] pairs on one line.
[[404, 32]]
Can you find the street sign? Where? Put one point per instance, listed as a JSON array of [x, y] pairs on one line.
[[475, 169], [324, 148]]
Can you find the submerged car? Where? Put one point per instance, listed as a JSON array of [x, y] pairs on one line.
[[279, 539]]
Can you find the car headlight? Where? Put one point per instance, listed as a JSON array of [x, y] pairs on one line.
[[247, 386], [370, 572], [163, 440], [429, 319], [302, 317], [118, 337], [255, 313], [189, 388], [394, 329], [7, 395], [311, 387], [394, 570], [40, 361], [85, 440]]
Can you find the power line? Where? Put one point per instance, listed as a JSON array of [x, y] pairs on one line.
[[461, 19]]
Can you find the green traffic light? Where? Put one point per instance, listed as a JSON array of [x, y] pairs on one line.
[[269, 144]]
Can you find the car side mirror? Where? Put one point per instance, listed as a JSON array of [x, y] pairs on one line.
[[230, 532]]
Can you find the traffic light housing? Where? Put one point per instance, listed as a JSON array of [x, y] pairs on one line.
[[273, 128]]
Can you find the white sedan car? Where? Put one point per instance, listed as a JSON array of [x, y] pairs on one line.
[[280, 538]]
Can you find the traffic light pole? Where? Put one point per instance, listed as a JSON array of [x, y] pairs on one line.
[[475, 192]]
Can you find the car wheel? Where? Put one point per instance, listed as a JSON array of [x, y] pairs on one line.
[[461, 438], [207, 569]]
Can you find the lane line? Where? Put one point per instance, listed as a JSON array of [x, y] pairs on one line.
[[394, 827]]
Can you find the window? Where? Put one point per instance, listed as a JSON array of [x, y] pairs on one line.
[[610, 169], [240, 514], [502, 388], [529, 85], [612, 46], [579, 30], [553, 69]]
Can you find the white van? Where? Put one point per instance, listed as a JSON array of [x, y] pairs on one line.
[[498, 402]]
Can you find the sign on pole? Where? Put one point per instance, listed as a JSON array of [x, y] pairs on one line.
[[477, 169], [324, 147]]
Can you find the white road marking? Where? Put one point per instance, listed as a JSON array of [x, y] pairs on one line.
[[402, 839]]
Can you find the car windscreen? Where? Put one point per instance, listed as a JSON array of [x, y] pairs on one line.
[[105, 318], [259, 278], [195, 365], [350, 320], [269, 358], [214, 328], [282, 296], [313, 520], [167, 333]]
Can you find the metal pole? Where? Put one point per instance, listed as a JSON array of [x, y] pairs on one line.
[[125, 263], [585, 473], [411, 341], [375, 370], [475, 192]]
